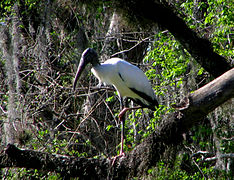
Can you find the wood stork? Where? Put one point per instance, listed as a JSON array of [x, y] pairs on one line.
[[128, 80]]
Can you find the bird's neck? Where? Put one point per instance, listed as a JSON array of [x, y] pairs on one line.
[[95, 63]]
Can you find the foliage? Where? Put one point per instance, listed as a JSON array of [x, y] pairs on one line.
[[169, 62], [164, 171], [31, 174], [7, 7], [217, 23]]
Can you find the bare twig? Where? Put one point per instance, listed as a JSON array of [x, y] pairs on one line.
[[126, 50], [229, 155]]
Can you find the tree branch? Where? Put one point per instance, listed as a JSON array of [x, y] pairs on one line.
[[229, 155], [159, 12], [67, 166], [145, 155]]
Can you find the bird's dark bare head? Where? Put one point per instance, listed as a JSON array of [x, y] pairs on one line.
[[90, 56]]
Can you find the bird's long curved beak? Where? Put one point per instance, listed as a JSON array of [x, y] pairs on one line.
[[80, 69]]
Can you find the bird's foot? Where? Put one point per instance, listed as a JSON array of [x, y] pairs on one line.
[[118, 156], [121, 114]]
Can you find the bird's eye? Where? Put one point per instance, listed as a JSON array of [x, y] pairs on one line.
[[87, 57]]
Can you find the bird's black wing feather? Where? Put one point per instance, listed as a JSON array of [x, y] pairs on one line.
[[153, 102]]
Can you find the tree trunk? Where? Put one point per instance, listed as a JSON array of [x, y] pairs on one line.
[[6, 46], [10, 46]]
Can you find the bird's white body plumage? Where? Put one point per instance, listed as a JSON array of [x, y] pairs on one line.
[[124, 77]]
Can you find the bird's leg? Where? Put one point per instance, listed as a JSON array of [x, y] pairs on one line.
[[122, 120]]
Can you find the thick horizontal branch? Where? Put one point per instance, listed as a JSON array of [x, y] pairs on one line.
[[145, 155], [210, 96], [67, 166]]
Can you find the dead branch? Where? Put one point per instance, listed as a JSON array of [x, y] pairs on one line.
[[229, 155]]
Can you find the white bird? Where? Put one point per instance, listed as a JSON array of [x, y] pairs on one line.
[[128, 80]]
